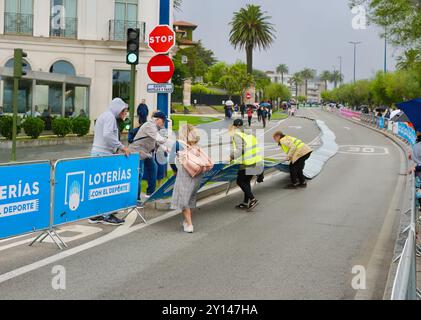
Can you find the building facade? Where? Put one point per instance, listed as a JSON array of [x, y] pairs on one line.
[[76, 53], [315, 87]]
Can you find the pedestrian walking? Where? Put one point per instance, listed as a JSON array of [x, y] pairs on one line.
[[142, 112], [106, 143], [186, 184], [259, 114], [264, 114], [243, 110], [246, 153], [250, 112], [297, 154], [146, 142]]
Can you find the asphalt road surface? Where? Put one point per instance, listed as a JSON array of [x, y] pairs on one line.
[[298, 244]]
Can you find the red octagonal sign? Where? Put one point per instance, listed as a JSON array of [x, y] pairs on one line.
[[161, 69], [162, 39]]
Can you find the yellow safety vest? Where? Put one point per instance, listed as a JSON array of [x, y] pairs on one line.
[[298, 143], [251, 153]]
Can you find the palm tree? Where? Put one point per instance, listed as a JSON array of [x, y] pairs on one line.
[[336, 77], [308, 74], [282, 69], [250, 30], [326, 76], [410, 57], [297, 80]]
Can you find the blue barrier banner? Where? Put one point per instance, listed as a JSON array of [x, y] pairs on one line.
[[380, 123], [25, 194], [85, 188], [166, 190], [407, 133]]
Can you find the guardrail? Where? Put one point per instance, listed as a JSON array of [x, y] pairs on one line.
[[405, 282]]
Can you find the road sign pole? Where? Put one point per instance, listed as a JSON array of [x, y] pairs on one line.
[[15, 117], [164, 18], [132, 94]]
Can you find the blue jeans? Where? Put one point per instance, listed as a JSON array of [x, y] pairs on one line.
[[150, 174], [141, 172]]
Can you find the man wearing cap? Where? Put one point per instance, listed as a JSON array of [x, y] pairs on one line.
[[107, 143], [297, 154], [245, 152], [146, 142]]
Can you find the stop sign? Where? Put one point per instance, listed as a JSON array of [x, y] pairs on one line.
[[248, 95], [161, 39], [160, 69]]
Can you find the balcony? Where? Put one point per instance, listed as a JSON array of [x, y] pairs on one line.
[[118, 29], [68, 29], [17, 23]]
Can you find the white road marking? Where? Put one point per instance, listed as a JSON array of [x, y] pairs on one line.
[[364, 150], [295, 127], [347, 128]]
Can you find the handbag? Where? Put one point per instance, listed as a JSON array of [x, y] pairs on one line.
[[194, 160]]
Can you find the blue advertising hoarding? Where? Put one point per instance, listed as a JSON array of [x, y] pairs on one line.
[[407, 133], [89, 187], [25, 194]]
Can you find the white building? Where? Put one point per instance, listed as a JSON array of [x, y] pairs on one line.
[[76, 61]]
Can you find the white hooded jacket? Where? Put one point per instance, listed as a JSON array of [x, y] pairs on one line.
[[106, 139]]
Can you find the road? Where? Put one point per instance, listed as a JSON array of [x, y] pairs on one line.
[[296, 245]]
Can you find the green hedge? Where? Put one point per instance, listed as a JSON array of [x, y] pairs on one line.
[[33, 127], [62, 126], [6, 126], [81, 126]]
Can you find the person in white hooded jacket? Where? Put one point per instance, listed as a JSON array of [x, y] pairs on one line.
[[106, 142]]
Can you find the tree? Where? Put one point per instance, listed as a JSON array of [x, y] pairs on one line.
[[308, 74], [297, 80], [326, 76], [251, 29], [282, 69], [275, 90], [336, 77], [236, 79], [261, 79], [216, 72], [409, 59]]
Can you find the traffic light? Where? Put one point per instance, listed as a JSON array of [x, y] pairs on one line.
[[19, 63], [133, 39]]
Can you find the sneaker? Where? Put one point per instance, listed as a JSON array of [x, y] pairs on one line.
[[242, 206], [113, 221], [261, 179], [188, 229], [96, 220], [253, 204]]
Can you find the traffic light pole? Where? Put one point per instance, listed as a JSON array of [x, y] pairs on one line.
[[15, 117], [132, 94]]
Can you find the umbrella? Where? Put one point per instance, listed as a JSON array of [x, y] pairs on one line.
[[394, 113], [265, 105], [381, 108], [400, 117], [229, 103], [413, 110]]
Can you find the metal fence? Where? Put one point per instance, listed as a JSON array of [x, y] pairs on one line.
[[405, 282]]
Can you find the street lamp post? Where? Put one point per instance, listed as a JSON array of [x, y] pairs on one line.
[[335, 82], [385, 50], [355, 55]]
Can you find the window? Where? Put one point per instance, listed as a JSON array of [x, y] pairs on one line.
[[121, 84], [18, 17], [10, 64], [63, 22], [125, 15], [63, 67]]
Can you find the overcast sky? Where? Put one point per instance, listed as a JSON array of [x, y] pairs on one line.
[[310, 33]]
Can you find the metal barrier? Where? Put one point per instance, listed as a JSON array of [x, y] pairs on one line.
[[405, 282]]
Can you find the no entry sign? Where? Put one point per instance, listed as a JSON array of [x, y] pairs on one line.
[[160, 69], [162, 39]]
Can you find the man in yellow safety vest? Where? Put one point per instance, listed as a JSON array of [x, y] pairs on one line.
[[245, 152], [297, 154]]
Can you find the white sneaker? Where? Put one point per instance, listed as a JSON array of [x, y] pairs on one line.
[[188, 229]]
